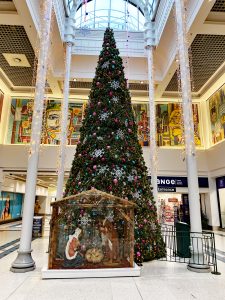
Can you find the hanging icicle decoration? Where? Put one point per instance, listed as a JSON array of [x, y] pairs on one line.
[[127, 41], [85, 10]]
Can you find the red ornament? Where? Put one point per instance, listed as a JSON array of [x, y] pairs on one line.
[[94, 134], [99, 103], [94, 113], [138, 254], [94, 167], [108, 147], [103, 158], [115, 181], [98, 83], [79, 183], [129, 130], [110, 93]]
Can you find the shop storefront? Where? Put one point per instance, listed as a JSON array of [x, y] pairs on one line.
[[173, 198], [220, 184]]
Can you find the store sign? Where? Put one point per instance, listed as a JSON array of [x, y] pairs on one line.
[[166, 189], [179, 182], [220, 182]]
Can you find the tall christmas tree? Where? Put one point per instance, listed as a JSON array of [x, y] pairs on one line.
[[108, 156]]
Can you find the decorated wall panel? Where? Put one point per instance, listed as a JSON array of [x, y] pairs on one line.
[[216, 105], [169, 123], [170, 129], [20, 120]]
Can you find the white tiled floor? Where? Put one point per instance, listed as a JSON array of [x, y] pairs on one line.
[[159, 280]]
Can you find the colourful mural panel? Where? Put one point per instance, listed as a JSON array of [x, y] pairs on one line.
[[170, 124], [217, 115], [20, 121], [1, 103], [142, 121]]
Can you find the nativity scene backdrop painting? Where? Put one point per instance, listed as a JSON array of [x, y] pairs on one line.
[[92, 230]]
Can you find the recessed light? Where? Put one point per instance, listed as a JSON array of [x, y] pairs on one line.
[[74, 79], [141, 82], [17, 59]]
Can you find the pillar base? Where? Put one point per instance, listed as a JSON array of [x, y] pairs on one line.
[[23, 263], [199, 268]]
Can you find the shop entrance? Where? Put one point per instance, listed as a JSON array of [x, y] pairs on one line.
[[174, 207]]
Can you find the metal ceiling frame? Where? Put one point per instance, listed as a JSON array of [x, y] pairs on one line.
[[147, 8]]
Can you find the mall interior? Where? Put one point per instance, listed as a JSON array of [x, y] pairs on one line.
[[173, 54]]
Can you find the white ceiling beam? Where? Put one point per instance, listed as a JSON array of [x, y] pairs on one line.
[[212, 28], [54, 85], [10, 18]]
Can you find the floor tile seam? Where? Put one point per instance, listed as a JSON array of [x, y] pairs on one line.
[[13, 292], [139, 292]]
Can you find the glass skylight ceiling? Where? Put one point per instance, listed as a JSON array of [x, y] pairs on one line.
[[118, 14]]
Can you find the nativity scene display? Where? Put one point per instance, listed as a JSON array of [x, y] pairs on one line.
[[92, 230]]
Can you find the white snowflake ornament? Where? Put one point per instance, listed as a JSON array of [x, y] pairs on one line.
[[98, 153], [115, 84], [130, 178], [120, 134], [136, 195], [104, 116], [118, 172], [105, 65], [115, 99], [103, 169]]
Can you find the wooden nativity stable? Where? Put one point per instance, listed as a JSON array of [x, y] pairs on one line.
[[91, 230]]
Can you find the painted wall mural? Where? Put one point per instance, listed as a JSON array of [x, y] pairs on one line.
[[1, 103], [169, 123], [170, 130], [10, 206], [216, 104], [20, 121]]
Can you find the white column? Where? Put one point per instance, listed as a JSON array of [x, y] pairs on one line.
[[213, 199], [24, 261], [149, 39], [69, 37], [191, 163]]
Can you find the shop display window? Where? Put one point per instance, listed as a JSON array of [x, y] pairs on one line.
[[10, 206]]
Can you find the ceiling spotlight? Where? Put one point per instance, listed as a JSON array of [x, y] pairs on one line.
[[74, 79], [141, 82], [17, 60]]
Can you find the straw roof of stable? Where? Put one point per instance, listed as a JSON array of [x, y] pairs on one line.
[[93, 197]]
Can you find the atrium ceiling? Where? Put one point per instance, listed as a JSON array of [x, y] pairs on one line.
[[18, 35]]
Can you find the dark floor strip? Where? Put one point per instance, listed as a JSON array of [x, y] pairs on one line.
[[8, 251], [220, 234], [220, 252], [9, 244]]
